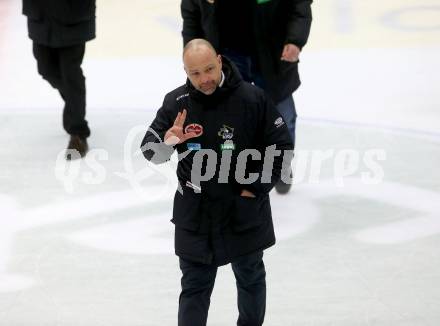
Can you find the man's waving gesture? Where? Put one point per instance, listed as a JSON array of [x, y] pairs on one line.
[[175, 135]]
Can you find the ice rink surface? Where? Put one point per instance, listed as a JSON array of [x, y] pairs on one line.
[[90, 243]]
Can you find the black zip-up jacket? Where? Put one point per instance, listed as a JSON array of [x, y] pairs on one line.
[[60, 23], [275, 24], [238, 113]]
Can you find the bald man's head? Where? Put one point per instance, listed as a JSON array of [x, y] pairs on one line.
[[198, 44], [202, 65]]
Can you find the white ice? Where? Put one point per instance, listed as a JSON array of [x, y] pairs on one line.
[[97, 249]]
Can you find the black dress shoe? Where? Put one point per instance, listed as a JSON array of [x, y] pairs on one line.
[[283, 188], [76, 148]]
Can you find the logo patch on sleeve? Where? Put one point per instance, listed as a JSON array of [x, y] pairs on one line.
[[279, 122]]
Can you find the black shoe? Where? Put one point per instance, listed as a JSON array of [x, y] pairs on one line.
[[283, 188], [76, 148]]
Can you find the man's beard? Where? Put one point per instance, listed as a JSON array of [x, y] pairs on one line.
[[208, 88]]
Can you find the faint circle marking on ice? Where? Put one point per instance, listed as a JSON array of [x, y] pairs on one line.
[[154, 234], [425, 204], [147, 235], [291, 219], [136, 176]]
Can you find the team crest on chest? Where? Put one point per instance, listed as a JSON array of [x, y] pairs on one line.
[[226, 132], [194, 127]]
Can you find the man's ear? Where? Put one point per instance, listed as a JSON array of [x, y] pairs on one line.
[[219, 58]]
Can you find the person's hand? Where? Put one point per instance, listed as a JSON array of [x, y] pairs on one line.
[[290, 53], [246, 193], [175, 134]]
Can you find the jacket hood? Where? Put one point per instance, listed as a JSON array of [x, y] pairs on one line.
[[232, 81]]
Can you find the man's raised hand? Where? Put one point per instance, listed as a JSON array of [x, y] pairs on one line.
[[175, 135]]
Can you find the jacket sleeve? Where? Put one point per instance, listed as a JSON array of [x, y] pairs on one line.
[[275, 136], [191, 15], [299, 22], [152, 146]]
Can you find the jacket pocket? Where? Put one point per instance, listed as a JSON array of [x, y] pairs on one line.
[[247, 213], [186, 212], [287, 66]]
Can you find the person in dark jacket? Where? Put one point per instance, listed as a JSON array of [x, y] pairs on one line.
[[221, 210], [262, 37], [59, 30]]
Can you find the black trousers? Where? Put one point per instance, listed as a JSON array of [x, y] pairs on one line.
[[198, 282], [61, 67]]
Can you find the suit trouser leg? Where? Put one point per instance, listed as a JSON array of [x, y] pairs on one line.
[[197, 285], [48, 64], [61, 67], [250, 276], [73, 90]]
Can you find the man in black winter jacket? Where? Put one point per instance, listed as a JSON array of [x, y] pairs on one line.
[[262, 37], [59, 30], [232, 145]]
